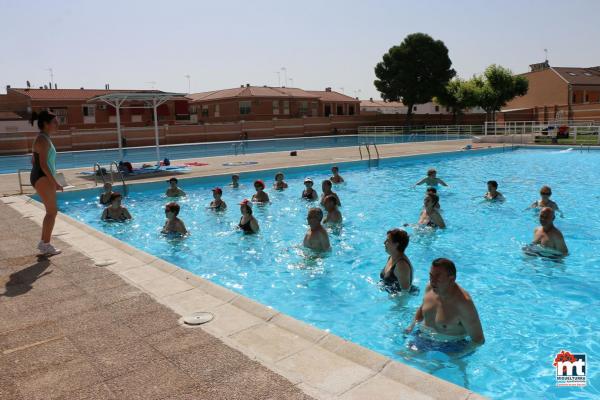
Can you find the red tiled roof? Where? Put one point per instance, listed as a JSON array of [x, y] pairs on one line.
[[579, 76], [325, 95], [9, 116], [251, 91], [70, 94]]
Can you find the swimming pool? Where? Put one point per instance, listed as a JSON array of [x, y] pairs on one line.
[[75, 159], [530, 308]]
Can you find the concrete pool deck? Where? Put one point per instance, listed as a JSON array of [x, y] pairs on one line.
[[50, 333], [9, 183]]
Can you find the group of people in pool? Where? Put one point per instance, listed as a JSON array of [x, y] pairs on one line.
[[316, 237]]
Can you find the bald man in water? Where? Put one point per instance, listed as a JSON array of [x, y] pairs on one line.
[[547, 235], [447, 308]]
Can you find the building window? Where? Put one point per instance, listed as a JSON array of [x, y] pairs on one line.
[[447, 109], [587, 98], [136, 118], [315, 108], [303, 107], [217, 110], [340, 110], [437, 108], [244, 107], [327, 111], [205, 110], [574, 98], [89, 111], [275, 107], [415, 108], [286, 107], [193, 109], [351, 110], [61, 115]]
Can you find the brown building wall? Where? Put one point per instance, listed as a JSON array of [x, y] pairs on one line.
[[93, 139], [546, 88]]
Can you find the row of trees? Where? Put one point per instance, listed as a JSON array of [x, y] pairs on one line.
[[419, 70]]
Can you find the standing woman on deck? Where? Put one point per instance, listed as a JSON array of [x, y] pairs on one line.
[[43, 175]]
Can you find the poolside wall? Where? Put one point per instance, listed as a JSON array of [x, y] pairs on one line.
[[93, 139]]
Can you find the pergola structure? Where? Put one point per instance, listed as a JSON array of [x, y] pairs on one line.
[[148, 99]]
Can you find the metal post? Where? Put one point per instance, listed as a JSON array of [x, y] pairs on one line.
[[156, 132], [575, 135], [119, 139]]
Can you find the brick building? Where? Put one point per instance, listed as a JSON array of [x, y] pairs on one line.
[[73, 111], [562, 93], [253, 103], [397, 107]]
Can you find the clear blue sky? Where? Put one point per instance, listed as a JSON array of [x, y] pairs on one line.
[[223, 44]]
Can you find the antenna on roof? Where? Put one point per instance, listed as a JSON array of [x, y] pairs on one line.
[[55, 86], [28, 85], [546, 53], [51, 76]]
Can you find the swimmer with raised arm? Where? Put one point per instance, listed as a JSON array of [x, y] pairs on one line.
[[336, 177], [174, 190], [105, 196], [431, 179], [115, 211], [334, 216], [260, 196], [493, 194], [217, 204], [447, 308], [326, 187], [279, 184], [549, 236], [309, 193], [316, 237], [397, 274], [430, 216], [173, 224]]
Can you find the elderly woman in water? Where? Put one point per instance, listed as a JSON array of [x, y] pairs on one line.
[[430, 216]]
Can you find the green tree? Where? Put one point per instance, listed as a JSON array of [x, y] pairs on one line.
[[458, 95], [496, 87], [414, 72]]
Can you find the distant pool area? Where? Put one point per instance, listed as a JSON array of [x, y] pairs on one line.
[[87, 158], [530, 308]]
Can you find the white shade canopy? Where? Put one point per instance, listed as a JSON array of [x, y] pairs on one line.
[[149, 99]]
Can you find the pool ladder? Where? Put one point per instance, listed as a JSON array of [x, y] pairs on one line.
[[21, 184], [99, 173], [367, 147], [239, 148]]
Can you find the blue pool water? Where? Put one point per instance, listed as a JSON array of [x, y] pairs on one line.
[[530, 308], [75, 159]]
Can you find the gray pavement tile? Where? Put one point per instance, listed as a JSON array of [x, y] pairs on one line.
[[152, 381], [51, 383], [23, 362], [103, 338], [101, 283], [116, 294], [176, 340], [95, 392], [119, 361], [88, 320], [134, 306], [148, 323], [27, 336]]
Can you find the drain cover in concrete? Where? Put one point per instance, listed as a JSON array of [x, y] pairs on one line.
[[198, 318], [104, 263]]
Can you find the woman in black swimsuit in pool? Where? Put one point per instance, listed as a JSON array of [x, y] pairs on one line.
[[248, 224], [397, 275], [115, 212]]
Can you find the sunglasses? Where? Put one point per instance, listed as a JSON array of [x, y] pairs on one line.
[[546, 193]]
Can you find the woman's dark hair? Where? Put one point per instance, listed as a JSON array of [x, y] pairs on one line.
[[435, 198], [327, 182], [115, 196], [42, 118], [493, 183], [172, 206], [400, 237], [248, 207]]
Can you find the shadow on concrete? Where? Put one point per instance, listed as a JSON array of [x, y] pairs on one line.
[[20, 282]]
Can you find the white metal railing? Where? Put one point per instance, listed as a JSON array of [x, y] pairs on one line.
[[421, 130], [573, 132]]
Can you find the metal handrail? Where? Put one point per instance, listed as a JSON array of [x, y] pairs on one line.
[[21, 184], [120, 175], [376, 149], [98, 171]]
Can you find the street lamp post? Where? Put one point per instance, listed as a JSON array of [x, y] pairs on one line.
[[189, 83]]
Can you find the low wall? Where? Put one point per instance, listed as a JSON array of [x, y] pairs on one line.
[[509, 139], [93, 139]]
